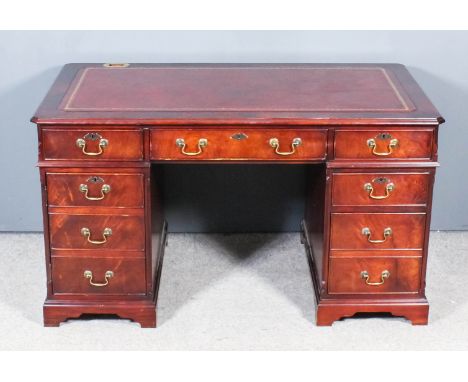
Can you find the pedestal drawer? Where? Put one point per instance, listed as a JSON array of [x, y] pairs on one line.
[[117, 232], [95, 144], [95, 189], [72, 275], [381, 189], [374, 275], [383, 144], [374, 231], [239, 144]]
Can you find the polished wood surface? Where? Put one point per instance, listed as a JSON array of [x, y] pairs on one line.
[[409, 189], [239, 144], [346, 275], [298, 94], [414, 309], [367, 131], [128, 275], [60, 144], [407, 230], [126, 190], [128, 232], [412, 144]]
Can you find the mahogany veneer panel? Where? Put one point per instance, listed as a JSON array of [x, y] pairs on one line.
[[126, 190], [407, 230], [412, 144], [345, 275], [123, 144], [128, 232], [68, 274], [410, 189]]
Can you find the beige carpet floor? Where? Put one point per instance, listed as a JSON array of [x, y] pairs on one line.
[[233, 292]]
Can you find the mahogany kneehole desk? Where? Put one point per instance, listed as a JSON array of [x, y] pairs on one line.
[[368, 132]]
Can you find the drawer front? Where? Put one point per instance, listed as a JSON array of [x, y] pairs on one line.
[[239, 144], [372, 231], [380, 189], [95, 190], [117, 232], [383, 144], [85, 144], [72, 275], [374, 275]]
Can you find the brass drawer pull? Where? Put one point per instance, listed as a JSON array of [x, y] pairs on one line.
[[87, 234], [365, 275], [370, 189], [105, 189], [89, 275], [81, 143], [386, 233], [274, 142], [202, 142], [373, 145]]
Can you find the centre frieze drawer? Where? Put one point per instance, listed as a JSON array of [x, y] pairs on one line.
[[239, 144]]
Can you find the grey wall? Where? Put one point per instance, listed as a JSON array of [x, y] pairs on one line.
[[30, 61]]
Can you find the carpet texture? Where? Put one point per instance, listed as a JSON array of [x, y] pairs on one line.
[[233, 292]]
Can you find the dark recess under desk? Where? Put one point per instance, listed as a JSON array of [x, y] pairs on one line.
[[233, 198]]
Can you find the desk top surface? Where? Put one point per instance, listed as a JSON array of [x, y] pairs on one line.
[[236, 93]]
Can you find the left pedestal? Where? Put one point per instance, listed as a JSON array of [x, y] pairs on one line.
[[104, 242]]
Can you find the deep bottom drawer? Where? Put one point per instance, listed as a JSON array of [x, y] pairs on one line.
[[72, 275], [374, 275]]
